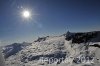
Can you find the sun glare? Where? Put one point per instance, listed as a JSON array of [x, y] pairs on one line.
[[26, 14]]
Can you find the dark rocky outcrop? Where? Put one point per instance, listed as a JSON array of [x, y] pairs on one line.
[[83, 37], [95, 45]]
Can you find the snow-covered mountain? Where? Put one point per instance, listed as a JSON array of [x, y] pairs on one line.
[[70, 49]]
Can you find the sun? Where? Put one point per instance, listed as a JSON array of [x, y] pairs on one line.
[[26, 14]]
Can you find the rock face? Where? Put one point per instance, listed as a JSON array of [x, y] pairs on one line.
[[83, 37], [65, 50]]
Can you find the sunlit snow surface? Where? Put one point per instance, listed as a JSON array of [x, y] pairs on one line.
[[37, 53]]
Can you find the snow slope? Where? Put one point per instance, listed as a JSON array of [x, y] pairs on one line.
[[52, 51]]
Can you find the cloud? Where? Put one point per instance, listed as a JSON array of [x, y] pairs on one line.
[[1, 57], [0, 42]]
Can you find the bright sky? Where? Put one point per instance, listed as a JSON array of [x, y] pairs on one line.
[[48, 17]]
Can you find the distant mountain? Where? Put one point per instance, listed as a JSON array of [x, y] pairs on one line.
[[14, 48], [70, 49]]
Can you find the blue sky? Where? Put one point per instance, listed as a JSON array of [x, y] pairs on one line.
[[51, 17]]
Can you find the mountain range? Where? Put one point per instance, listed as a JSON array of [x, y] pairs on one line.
[[69, 49]]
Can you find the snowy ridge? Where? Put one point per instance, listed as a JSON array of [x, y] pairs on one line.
[[43, 49]]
